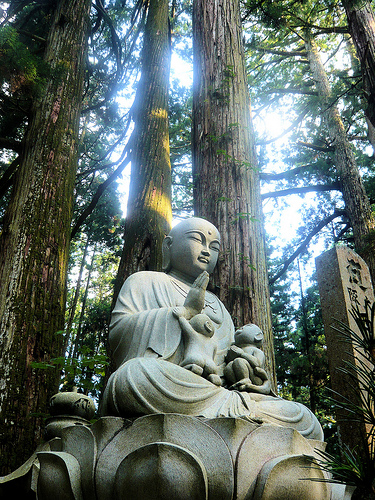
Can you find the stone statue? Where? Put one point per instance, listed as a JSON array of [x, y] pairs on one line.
[[199, 349], [151, 336], [245, 361], [188, 413]]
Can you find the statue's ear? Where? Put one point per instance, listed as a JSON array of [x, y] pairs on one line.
[[166, 246]]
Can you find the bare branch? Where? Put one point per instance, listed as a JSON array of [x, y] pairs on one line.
[[101, 188], [333, 29], [290, 90], [314, 147], [282, 53], [334, 186], [303, 246], [7, 178], [342, 232], [268, 176]]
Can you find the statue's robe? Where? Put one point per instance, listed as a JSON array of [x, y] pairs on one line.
[[147, 347]]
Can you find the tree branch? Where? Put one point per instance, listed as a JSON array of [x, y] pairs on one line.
[[286, 131], [268, 176], [335, 186], [290, 90], [342, 232], [7, 178], [333, 29], [314, 147], [10, 144], [101, 188], [303, 246], [282, 53], [116, 42]]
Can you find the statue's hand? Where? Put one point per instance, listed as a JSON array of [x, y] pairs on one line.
[[194, 302], [233, 353], [246, 385], [179, 312]]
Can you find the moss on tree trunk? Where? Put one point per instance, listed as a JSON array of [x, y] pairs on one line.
[[361, 19], [35, 239], [149, 213], [226, 178]]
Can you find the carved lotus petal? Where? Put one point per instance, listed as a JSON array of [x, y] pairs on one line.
[[189, 433], [161, 471]]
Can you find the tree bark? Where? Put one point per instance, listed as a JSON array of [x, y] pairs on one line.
[[35, 239], [357, 205], [149, 211], [361, 20], [225, 170], [355, 63], [77, 292]]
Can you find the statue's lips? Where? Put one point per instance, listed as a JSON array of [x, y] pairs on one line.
[[203, 259]]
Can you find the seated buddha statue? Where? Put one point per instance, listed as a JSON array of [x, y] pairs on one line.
[[148, 341]]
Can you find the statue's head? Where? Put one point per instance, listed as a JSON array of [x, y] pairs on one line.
[[249, 334], [191, 247], [202, 324]]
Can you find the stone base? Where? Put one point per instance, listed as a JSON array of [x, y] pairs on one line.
[[173, 457]]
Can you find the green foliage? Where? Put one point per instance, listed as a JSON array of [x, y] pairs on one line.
[[283, 90], [86, 358], [356, 468], [20, 66], [180, 104], [301, 357]]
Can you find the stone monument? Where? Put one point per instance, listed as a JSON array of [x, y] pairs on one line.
[[344, 281], [172, 425]]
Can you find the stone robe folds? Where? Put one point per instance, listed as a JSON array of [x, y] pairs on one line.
[[147, 346]]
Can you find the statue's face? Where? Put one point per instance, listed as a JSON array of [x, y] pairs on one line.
[[202, 324], [194, 247], [249, 334]]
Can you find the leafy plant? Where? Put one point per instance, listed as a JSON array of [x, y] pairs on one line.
[[355, 468]]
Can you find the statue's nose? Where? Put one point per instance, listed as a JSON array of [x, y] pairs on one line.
[[206, 251]]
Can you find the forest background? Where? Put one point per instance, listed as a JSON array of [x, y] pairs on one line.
[[309, 93]]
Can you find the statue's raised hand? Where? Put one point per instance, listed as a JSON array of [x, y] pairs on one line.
[[194, 302]]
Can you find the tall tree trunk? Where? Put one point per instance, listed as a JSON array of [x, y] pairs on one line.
[[149, 213], [361, 20], [225, 170], [77, 292], [355, 64], [35, 239], [357, 205], [78, 339]]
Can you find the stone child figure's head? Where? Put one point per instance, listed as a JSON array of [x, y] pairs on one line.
[[191, 247], [249, 334], [201, 323]]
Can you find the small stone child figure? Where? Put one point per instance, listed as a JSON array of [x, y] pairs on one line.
[[200, 349], [245, 361]]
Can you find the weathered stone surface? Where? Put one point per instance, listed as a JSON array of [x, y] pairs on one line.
[[177, 457], [270, 442], [291, 478], [60, 476], [344, 281], [161, 470], [189, 433], [72, 403]]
